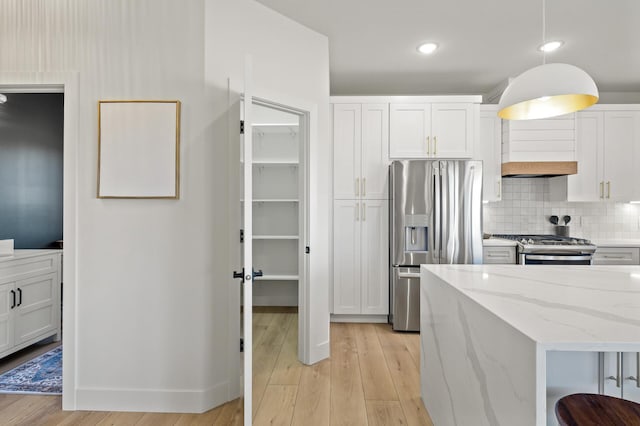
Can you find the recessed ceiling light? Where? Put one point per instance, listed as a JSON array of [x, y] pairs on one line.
[[550, 46], [427, 48]]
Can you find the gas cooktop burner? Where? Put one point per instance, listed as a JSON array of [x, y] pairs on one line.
[[542, 239]]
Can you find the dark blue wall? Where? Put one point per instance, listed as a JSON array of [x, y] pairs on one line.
[[31, 143]]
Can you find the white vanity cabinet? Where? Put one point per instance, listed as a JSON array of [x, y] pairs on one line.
[[438, 129], [29, 298]]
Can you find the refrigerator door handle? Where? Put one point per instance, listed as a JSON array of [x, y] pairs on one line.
[[437, 187]]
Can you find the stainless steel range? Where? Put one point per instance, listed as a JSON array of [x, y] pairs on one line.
[[551, 249]]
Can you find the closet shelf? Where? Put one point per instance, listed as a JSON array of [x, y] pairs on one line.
[[276, 237], [275, 162], [278, 278]]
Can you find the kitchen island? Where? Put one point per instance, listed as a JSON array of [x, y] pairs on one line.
[[501, 343]]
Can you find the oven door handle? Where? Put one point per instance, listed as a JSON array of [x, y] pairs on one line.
[[551, 257]]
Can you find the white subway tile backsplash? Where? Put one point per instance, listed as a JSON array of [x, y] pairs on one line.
[[525, 208]]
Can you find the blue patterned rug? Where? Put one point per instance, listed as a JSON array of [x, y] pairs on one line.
[[41, 375]]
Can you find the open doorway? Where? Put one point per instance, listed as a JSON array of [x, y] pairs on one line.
[[31, 216], [279, 235]]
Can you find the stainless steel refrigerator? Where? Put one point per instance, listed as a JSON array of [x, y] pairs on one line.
[[436, 217]]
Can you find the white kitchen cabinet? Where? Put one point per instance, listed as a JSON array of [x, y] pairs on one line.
[[360, 151], [360, 257], [619, 372], [499, 255], [488, 149], [608, 155], [617, 256], [29, 298], [432, 130]]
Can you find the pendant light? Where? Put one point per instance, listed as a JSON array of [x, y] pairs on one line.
[[547, 90]]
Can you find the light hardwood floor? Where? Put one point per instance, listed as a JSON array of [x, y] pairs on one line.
[[372, 378]]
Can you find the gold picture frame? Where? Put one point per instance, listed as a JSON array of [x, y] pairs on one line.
[[139, 149]]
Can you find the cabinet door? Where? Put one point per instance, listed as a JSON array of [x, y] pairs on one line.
[[35, 312], [375, 257], [617, 256], [409, 128], [347, 121], [346, 257], [630, 372], [375, 152], [6, 317], [621, 139], [452, 130], [612, 374], [489, 150], [585, 186]]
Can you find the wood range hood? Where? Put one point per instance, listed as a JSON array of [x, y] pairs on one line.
[[539, 168]]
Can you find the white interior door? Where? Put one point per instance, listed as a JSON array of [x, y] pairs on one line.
[[247, 248]]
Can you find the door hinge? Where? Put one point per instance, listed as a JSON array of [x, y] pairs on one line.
[[307, 250], [241, 344], [242, 127], [242, 235]]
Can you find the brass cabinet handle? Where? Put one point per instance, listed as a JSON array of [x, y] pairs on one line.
[[364, 186], [357, 186], [435, 145], [608, 189], [428, 147], [602, 189]]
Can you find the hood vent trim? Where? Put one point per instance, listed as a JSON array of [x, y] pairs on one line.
[[539, 168]]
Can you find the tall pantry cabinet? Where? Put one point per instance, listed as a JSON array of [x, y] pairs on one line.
[[360, 209]]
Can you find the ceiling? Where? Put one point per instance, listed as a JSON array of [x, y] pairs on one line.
[[372, 43]]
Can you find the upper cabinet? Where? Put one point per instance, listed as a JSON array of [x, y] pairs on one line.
[[432, 130], [436, 127], [360, 150], [608, 154], [488, 148]]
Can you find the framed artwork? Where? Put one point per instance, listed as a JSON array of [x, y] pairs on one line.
[[139, 149]]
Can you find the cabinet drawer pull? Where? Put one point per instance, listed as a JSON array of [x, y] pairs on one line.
[[364, 211], [364, 186], [428, 147], [602, 189], [357, 186], [19, 297], [435, 145], [608, 189], [499, 188], [357, 212], [13, 299], [608, 256]]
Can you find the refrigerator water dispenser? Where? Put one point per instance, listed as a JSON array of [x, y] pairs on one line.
[[415, 239]]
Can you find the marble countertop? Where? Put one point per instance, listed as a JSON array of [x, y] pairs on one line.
[[586, 308], [24, 253], [498, 242]]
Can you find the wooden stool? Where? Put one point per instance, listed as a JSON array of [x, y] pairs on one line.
[[585, 409]]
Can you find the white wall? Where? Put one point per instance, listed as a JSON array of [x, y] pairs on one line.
[[150, 326], [290, 62]]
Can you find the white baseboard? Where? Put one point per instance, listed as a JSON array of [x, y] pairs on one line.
[[152, 401], [359, 318]]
